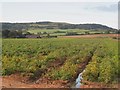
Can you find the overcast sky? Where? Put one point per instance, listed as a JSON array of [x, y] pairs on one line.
[[72, 12]]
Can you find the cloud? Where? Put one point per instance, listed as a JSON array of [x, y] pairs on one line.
[[105, 8], [110, 8]]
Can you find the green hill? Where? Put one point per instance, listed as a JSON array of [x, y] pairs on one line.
[[53, 25]]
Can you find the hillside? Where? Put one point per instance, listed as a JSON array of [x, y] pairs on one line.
[[53, 25]]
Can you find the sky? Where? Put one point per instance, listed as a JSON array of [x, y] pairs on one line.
[[105, 13]]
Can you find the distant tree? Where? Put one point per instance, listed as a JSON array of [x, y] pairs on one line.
[[39, 33], [71, 33], [27, 33], [117, 32], [12, 34], [48, 35], [107, 32], [5, 33], [19, 33], [87, 32], [44, 32], [60, 32]]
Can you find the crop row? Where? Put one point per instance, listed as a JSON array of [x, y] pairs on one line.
[[61, 58], [104, 64]]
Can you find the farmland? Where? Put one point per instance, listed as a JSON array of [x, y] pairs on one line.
[[59, 30], [62, 59], [53, 29], [63, 32]]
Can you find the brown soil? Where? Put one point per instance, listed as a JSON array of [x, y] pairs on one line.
[[92, 36], [88, 84], [17, 81]]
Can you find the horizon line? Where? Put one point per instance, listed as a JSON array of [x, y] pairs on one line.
[[55, 22]]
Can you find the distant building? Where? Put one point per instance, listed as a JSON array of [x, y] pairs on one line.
[[32, 36]]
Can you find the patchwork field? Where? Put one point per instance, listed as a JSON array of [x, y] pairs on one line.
[[63, 32]]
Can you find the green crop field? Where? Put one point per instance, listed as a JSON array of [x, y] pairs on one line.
[[62, 58], [63, 31]]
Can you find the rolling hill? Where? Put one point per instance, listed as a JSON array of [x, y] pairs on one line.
[[53, 25]]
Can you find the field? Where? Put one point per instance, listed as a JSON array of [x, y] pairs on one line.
[[63, 32], [62, 59]]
